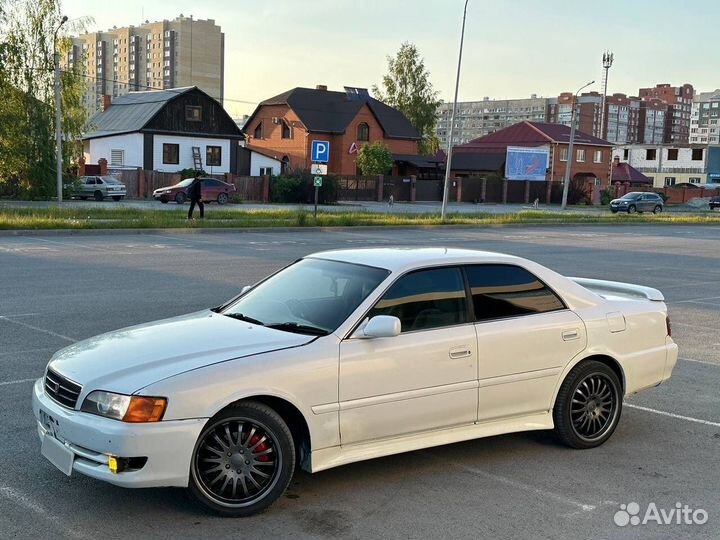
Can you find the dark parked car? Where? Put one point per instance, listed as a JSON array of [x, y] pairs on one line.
[[212, 191], [638, 201]]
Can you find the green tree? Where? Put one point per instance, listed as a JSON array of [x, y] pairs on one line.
[[374, 158], [27, 111], [407, 87]]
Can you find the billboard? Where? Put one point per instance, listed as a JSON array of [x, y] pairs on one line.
[[527, 163], [713, 165]]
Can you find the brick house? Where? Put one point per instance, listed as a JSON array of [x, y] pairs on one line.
[[286, 125], [591, 159]]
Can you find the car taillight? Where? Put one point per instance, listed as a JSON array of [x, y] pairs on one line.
[[668, 324]]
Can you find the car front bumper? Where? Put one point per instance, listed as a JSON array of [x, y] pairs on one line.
[[167, 445]]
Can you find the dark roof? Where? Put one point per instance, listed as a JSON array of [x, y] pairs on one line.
[[326, 111], [532, 134], [477, 161], [423, 162], [624, 172]]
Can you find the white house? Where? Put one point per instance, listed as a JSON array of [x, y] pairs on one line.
[[666, 165], [165, 130]]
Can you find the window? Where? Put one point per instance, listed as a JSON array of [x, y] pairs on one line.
[[694, 179], [171, 154], [697, 154], [503, 290], [363, 132], [98, 180], [626, 153], [672, 154], [425, 299], [563, 154], [669, 180], [580, 156], [286, 131], [258, 131], [266, 171], [193, 113], [597, 156], [651, 154], [213, 156], [285, 165], [116, 158]]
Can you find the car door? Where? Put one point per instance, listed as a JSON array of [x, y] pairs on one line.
[[89, 186], [210, 190], [525, 336], [423, 379]]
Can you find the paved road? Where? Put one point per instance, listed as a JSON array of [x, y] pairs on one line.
[[59, 289]]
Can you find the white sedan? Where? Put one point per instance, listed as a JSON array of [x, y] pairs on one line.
[[349, 355]]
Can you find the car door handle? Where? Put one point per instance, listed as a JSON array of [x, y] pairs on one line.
[[460, 352], [569, 335]]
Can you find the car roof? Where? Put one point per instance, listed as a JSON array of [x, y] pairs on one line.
[[400, 259]]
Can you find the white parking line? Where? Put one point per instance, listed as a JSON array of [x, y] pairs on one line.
[[26, 351], [699, 362], [673, 415], [517, 484], [6, 383], [27, 503], [37, 328]]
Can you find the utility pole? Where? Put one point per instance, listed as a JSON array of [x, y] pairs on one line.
[[58, 112], [448, 163], [568, 163], [607, 62]]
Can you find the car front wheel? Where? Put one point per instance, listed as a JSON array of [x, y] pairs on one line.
[[632, 209], [657, 210], [588, 406], [243, 460]]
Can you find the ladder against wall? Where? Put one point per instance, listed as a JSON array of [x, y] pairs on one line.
[[197, 159]]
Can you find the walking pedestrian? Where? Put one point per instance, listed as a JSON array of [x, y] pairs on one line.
[[195, 194]]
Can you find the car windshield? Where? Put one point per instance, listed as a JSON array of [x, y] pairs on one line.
[[312, 296], [631, 196], [186, 182], [110, 180]]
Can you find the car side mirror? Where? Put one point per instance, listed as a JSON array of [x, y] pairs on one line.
[[245, 289], [381, 326]]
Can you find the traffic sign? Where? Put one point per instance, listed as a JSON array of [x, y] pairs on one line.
[[320, 151], [318, 181], [319, 168]]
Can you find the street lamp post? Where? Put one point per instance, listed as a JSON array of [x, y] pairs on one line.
[[58, 125], [568, 163], [452, 122]]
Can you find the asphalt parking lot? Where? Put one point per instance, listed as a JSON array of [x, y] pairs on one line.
[[57, 289]]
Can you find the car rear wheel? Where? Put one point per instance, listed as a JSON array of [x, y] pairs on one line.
[[588, 406], [658, 209], [180, 198], [98, 196], [243, 460], [82, 198], [117, 197], [222, 198], [632, 209]]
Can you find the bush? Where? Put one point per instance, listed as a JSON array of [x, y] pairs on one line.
[[299, 188], [606, 195], [191, 173], [577, 193], [71, 186]]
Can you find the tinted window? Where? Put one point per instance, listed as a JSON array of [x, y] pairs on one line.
[[425, 299], [90, 180], [98, 181], [500, 290]]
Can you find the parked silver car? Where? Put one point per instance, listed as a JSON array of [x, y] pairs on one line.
[[638, 201], [100, 187]]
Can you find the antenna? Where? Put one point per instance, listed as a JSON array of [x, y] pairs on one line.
[[607, 62]]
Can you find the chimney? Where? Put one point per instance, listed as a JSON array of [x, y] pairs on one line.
[[106, 102], [321, 87]]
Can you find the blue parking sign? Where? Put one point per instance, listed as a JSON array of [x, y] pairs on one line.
[[320, 151]]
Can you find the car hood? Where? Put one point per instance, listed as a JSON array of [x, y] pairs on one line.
[[129, 359], [622, 201]]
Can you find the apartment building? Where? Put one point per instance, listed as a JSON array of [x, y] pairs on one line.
[[666, 165], [153, 56], [651, 122], [704, 128], [679, 100], [475, 119]]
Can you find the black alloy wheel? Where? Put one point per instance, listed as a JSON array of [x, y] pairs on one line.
[[243, 460], [588, 406]]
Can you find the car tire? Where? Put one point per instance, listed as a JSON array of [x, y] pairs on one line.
[[164, 200], [82, 198], [98, 196], [632, 209], [614, 211], [658, 209], [117, 198], [180, 198], [588, 405], [232, 485], [222, 198]]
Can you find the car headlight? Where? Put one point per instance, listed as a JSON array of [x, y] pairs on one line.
[[124, 408]]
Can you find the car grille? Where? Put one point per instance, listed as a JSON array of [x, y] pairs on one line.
[[61, 389]]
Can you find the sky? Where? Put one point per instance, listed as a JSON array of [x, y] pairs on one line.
[[513, 48]]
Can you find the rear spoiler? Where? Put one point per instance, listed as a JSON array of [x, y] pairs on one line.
[[603, 288]]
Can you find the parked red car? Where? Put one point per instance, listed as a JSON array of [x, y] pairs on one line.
[[212, 191]]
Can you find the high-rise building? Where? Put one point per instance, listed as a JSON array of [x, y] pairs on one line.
[[588, 107], [475, 119], [653, 113], [153, 56], [622, 119], [679, 100], [704, 128]]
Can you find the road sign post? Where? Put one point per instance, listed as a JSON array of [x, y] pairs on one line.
[[317, 181]]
